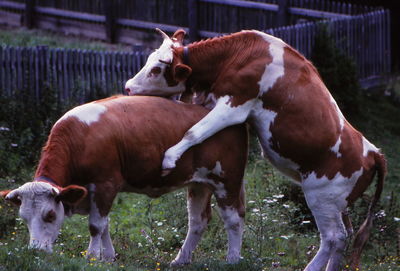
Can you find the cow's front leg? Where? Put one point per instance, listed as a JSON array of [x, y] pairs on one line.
[[98, 225], [100, 246], [223, 115], [108, 248]]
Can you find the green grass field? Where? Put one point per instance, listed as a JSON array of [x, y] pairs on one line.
[[147, 233]]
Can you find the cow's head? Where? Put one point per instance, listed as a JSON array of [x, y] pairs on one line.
[[163, 74], [41, 207]]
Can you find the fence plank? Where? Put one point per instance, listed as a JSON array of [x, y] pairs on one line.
[[108, 71], [59, 74], [2, 70], [6, 74], [13, 69], [36, 73]]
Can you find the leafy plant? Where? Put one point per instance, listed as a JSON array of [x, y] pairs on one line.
[[337, 70]]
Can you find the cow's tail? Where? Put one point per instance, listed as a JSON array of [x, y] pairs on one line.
[[363, 233]]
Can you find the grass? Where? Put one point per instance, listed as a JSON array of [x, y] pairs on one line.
[[24, 37], [150, 231]]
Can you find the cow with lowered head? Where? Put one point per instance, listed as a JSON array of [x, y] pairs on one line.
[[116, 145]]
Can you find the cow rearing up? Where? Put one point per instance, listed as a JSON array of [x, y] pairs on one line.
[[251, 76], [116, 145]]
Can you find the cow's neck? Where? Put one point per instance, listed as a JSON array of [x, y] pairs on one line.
[[212, 58], [207, 58], [54, 166]]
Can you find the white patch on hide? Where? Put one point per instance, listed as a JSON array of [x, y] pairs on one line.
[[327, 200], [322, 193], [261, 120], [368, 146], [87, 113], [275, 69], [208, 101], [340, 114], [335, 148], [200, 175]]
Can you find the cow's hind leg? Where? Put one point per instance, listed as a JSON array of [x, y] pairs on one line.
[[327, 201], [199, 210], [333, 240], [232, 211]]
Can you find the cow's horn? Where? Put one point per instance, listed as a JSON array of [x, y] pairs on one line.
[[165, 36]]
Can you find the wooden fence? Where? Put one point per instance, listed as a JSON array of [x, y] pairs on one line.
[[70, 72], [201, 18], [364, 37]]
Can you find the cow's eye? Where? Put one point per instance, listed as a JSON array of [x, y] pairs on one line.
[[50, 216], [155, 71]]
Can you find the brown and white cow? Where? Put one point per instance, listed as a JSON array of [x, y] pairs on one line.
[[116, 145], [255, 77]]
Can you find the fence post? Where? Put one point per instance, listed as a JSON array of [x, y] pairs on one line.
[[29, 13], [282, 13], [192, 19], [111, 26]]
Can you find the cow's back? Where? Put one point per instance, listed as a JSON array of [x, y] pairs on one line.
[[133, 133]]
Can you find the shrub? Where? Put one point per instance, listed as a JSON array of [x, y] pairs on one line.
[[25, 123], [337, 70]]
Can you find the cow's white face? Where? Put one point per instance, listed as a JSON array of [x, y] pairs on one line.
[[156, 77], [42, 210], [162, 75]]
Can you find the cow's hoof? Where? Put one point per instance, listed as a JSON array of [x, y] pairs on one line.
[[175, 263], [169, 161], [91, 257], [109, 259], [233, 259]]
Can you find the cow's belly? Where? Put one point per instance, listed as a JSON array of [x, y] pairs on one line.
[[261, 120], [151, 191]]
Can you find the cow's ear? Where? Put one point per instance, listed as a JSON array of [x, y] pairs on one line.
[[12, 196], [178, 36], [182, 72], [72, 194]]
